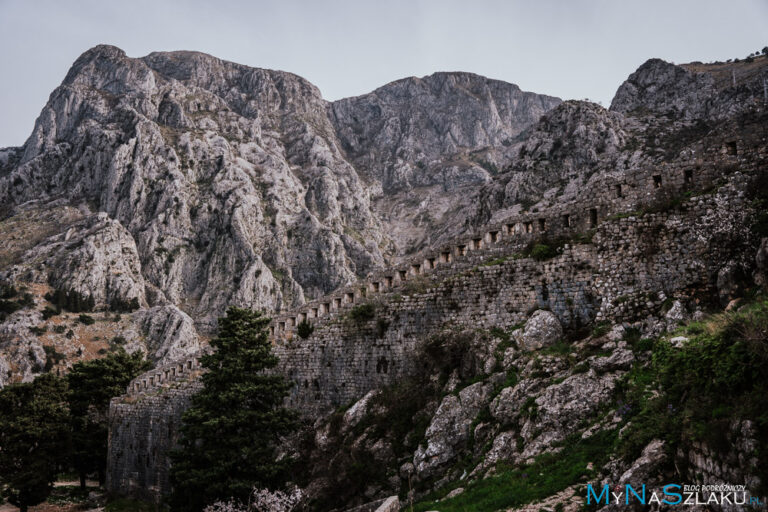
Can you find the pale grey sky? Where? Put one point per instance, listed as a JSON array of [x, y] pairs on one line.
[[569, 48]]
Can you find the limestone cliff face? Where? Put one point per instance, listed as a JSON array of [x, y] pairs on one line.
[[664, 88], [693, 92], [199, 183], [227, 178], [426, 142]]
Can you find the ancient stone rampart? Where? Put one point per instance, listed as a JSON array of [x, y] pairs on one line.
[[631, 242]]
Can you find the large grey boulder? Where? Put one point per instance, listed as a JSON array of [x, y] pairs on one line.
[[541, 330]]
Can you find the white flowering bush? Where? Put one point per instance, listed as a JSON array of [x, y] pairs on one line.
[[262, 500]]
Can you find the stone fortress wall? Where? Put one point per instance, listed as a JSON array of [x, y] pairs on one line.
[[631, 263]]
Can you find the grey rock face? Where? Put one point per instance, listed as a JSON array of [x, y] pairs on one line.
[[450, 428], [96, 257], [665, 88], [541, 330], [404, 133], [229, 179], [171, 333], [559, 157], [562, 406], [428, 143], [203, 183], [646, 466]]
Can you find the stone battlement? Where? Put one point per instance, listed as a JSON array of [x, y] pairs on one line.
[[164, 376], [611, 195]]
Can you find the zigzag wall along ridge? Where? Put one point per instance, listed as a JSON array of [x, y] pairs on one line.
[[632, 264], [611, 196]]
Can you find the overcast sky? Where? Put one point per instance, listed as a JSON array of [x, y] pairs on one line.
[[570, 49]]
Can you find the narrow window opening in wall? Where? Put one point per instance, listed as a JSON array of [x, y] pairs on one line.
[[494, 236], [731, 148], [544, 291], [566, 221], [382, 365], [306, 383], [388, 281], [619, 192], [337, 302], [189, 364], [593, 217], [403, 274], [657, 181], [462, 250], [430, 262], [363, 292], [542, 224], [445, 257], [316, 383], [375, 287], [510, 229], [281, 326], [476, 242], [529, 227], [350, 297], [416, 269], [688, 176]]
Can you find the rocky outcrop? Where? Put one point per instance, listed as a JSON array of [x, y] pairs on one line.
[[664, 89], [95, 257], [450, 428], [541, 330], [418, 132], [170, 333]]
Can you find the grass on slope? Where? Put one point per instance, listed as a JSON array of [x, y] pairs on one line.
[[511, 487]]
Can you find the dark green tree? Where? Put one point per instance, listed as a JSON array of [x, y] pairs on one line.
[[91, 386], [234, 425], [34, 439]]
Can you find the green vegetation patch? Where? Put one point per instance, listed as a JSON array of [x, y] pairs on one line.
[[695, 392], [362, 312], [512, 487], [128, 505]]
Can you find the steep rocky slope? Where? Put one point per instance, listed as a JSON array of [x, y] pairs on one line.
[[578, 337], [196, 183], [426, 143]]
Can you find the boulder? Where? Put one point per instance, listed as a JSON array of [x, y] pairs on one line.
[[542, 330]]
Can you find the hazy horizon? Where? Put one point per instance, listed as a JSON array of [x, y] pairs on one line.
[[347, 48]]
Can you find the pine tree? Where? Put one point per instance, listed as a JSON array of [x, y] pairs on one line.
[[230, 433], [34, 438], [92, 384]]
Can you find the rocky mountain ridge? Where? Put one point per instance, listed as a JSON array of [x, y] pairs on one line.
[[233, 185], [222, 184], [153, 192]]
